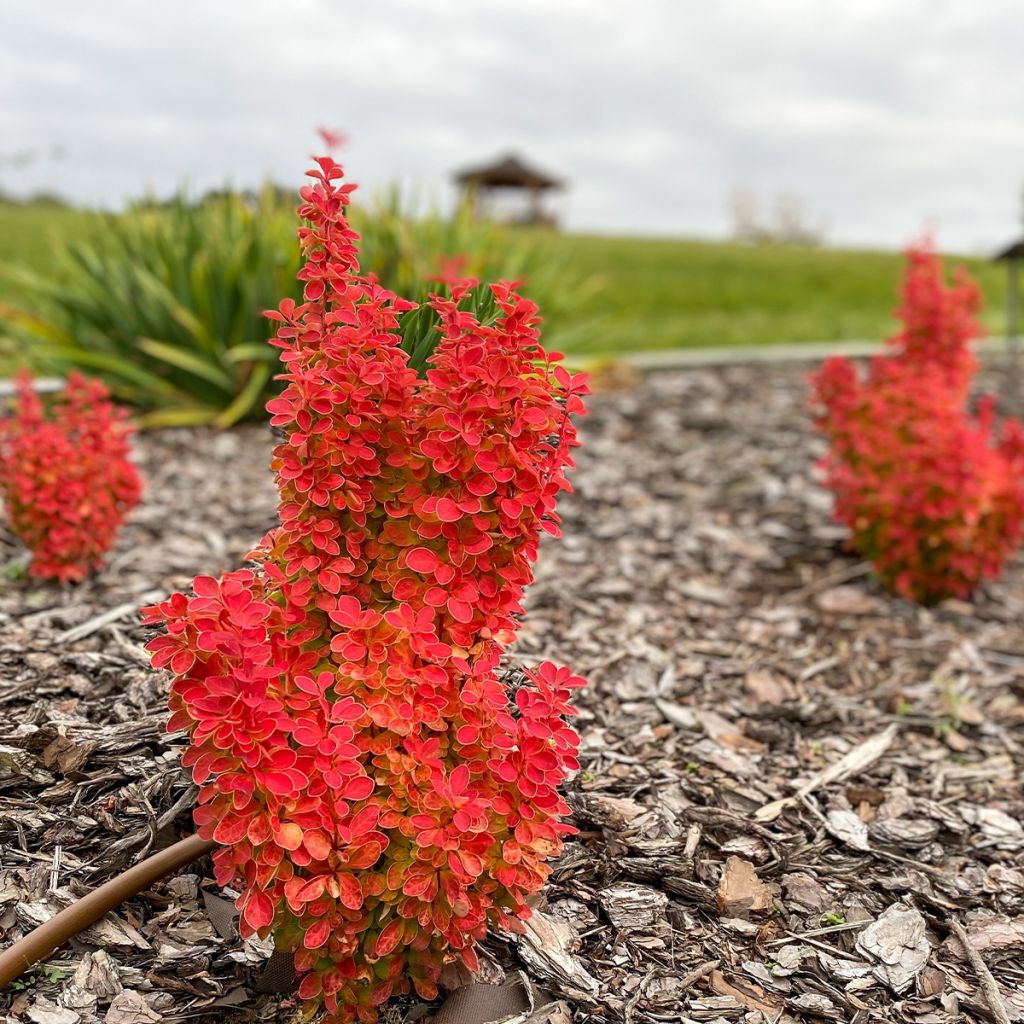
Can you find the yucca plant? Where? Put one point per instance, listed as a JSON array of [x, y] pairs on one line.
[[165, 301]]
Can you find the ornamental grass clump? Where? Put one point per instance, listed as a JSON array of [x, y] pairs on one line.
[[381, 796], [164, 301], [933, 494], [66, 480]]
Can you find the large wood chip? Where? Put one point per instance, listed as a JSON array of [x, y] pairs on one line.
[[727, 733], [897, 942], [43, 1011], [847, 827], [805, 890], [767, 687], [996, 826], [19, 764], [815, 1004], [748, 993], [847, 600], [67, 756], [615, 812], [547, 946], [97, 975], [633, 907], [991, 932], [131, 1008], [741, 892]]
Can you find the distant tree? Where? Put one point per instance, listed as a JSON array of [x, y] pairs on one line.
[[746, 223], [47, 199], [790, 224]]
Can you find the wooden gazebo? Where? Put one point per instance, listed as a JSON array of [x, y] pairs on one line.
[[1012, 256], [485, 186]]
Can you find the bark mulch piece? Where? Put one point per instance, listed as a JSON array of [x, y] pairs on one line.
[[800, 797]]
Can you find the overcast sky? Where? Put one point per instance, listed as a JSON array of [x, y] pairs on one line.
[[885, 117]]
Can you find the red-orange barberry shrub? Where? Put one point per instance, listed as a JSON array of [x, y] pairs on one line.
[[66, 479], [933, 494], [381, 796]]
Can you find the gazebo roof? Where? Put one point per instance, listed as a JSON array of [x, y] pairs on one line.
[[508, 172], [1011, 252]]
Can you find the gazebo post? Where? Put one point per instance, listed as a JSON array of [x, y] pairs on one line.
[[535, 207], [1012, 256]]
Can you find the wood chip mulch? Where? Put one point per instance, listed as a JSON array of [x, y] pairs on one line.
[[800, 797]]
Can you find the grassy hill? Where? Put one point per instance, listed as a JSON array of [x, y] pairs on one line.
[[680, 293], [28, 234], [661, 294]]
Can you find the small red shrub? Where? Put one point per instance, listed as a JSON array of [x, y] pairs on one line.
[[933, 495], [381, 796], [66, 481]]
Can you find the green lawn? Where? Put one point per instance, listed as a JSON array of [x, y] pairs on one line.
[[679, 293], [659, 294], [28, 234]]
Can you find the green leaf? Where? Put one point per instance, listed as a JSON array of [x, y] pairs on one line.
[[182, 416], [113, 367], [247, 397], [186, 360], [252, 351]]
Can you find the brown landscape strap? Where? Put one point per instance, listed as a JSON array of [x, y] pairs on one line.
[[480, 1003], [278, 975], [223, 914]]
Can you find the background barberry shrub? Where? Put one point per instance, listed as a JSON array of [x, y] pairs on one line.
[[933, 494], [382, 798], [66, 479]]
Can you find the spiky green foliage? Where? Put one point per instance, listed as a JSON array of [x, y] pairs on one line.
[[165, 302]]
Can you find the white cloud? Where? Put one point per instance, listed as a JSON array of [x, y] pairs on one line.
[[884, 116]]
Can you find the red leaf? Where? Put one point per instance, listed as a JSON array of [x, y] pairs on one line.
[[350, 891], [230, 830], [447, 511], [258, 910], [279, 783], [312, 890], [459, 780], [358, 788], [318, 845], [365, 821], [288, 836], [311, 986], [206, 586], [388, 939], [459, 610], [422, 560], [346, 611], [316, 935]]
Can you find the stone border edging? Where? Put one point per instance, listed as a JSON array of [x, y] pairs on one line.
[[733, 355]]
